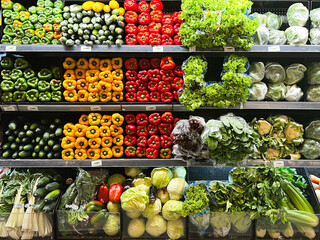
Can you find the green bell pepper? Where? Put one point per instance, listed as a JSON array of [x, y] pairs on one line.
[[19, 96], [35, 40], [38, 25], [24, 15], [28, 73], [15, 74], [7, 63], [45, 74], [45, 96], [40, 3], [7, 97], [55, 84], [56, 96], [17, 40], [48, 11], [40, 32], [43, 86], [21, 84], [42, 18], [99, 219], [32, 95], [58, 4], [33, 82], [56, 71], [57, 11], [40, 10], [15, 16], [34, 18], [21, 63], [27, 25], [49, 35], [7, 13], [19, 33], [29, 33], [58, 18], [6, 74], [25, 40], [17, 7], [9, 30], [6, 4], [7, 85], [48, 3], [6, 39], [8, 21], [50, 19], [55, 41], [45, 40], [32, 9]]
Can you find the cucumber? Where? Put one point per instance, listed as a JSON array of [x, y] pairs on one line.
[[18, 140], [50, 155], [13, 146], [26, 126], [39, 205], [57, 178], [51, 142], [52, 126], [15, 154], [6, 146], [57, 155], [34, 155], [24, 154], [34, 126], [37, 148], [43, 181], [42, 142], [42, 154], [12, 125], [28, 147], [21, 147], [52, 136], [38, 139], [58, 132], [52, 186], [40, 192], [46, 148], [8, 132], [40, 129], [30, 133], [11, 138], [26, 140], [49, 207], [51, 196], [6, 154], [21, 134], [46, 136], [56, 147]]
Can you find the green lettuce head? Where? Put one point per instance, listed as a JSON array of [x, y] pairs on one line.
[[133, 200]]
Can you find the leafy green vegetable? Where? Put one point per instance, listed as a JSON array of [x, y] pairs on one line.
[[197, 199]]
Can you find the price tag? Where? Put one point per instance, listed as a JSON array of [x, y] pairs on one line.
[[241, 106], [96, 163], [192, 49], [229, 49], [11, 48], [274, 49], [157, 49], [9, 108], [95, 108], [72, 206], [86, 48], [151, 108], [33, 108], [278, 163]]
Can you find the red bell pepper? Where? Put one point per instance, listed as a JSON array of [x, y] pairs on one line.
[[155, 27], [152, 153], [142, 85], [167, 117], [176, 28], [155, 63], [131, 64], [152, 86], [177, 40], [176, 120], [178, 71], [156, 5], [142, 119], [130, 151], [144, 18], [131, 39], [142, 130], [164, 86], [176, 16], [142, 142], [144, 64], [166, 97], [130, 140], [143, 38], [131, 97], [131, 17], [154, 75], [131, 86], [167, 75], [143, 6], [115, 192], [143, 28], [167, 63], [143, 75], [131, 129], [57, 35], [152, 129], [165, 153], [168, 30], [130, 118], [177, 83], [143, 96], [103, 194], [154, 142], [165, 141], [156, 16], [131, 28], [154, 39], [131, 75], [155, 118], [175, 95], [165, 128], [141, 152], [155, 97], [130, 5], [167, 19], [166, 40]]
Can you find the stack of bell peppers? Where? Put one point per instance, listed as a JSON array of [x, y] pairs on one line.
[[147, 25], [94, 136], [20, 83], [155, 80], [36, 25], [149, 136], [93, 80]]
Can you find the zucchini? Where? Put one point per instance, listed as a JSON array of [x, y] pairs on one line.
[[24, 154], [57, 178], [49, 207], [51, 196], [52, 186], [40, 192], [43, 181], [39, 205]]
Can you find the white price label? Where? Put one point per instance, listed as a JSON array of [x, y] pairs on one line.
[[86, 48], [274, 49], [33, 108], [229, 49], [96, 163], [9, 108], [95, 108], [157, 49], [278, 163], [151, 108], [192, 49], [11, 48]]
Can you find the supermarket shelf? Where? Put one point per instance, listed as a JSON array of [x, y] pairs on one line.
[[286, 163], [115, 162]]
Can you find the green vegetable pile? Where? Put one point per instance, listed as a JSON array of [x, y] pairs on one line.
[[217, 23], [21, 83], [231, 90]]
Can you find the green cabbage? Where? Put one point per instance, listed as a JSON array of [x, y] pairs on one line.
[[313, 130], [256, 71], [315, 16], [175, 228], [136, 228], [175, 188], [277, 37], [133, 200], [152, 209], [311, 149], [275, 73], [258, 91], [132, 171], [261, 17], [160, 177], [294, 73], [313, 73], [261, 37], [293, 93], [276, 91], [313, 93], [273, 21], [315, 36], [297, 15], [172, 210], [163, 195], [156, 226], [296, 35], [116, 178]]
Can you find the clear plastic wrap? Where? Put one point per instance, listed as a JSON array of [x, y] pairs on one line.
[[221, 223], [277, 37], [261, 17], [256, 71], [315, 16], [297, 15], [313, 130], [202, 222], [294, 73], [310, 149], [315, 36], [313, 93], [273, 21], [261, 37], [258, 91], [275, 73], [313, 73], [293, 93], [276, 91], [296, 35]]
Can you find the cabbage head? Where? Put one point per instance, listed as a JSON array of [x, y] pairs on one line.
[[275, 73], [256, 71], [315, 36], [156, 226], [273, 21], [133, 200], [315, 16], [294, 73], [221, 224], [313, 130], [313, 93], [293, 93], [258, 91], [152, 209], [160, 177], [262, 18], [261, 37], [313, 73], [172, 210], [297, 15], [277, 37], [276, 91], [176, 187], [296, 35], [310, 149], [175, 228]]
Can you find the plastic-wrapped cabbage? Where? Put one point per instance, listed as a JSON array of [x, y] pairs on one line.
[[315, 16], [172, 210], [310, 149], [221, 224], [202, 221], [313, 93], [133, 200], [241, 221], [313, 130], [275, 73], [175, 229], [160, 177], [176, 187], [273, 21], [261, 17], [261, 37], [293, 93], [277, 37], [152, 209], [315, 36], [256, 71], [296, 35], [313, 73], [258, 91], [297, 15], [136, 228], [156, 226], [294, 73], [276, 91]]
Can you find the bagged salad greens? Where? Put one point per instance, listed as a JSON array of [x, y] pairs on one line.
[[313, 73], [293, 93], [297, 15], [315, 36], [261, 37], [313, 93], [258, 91], [277, 37], [276, 91], [294, 73], [273, 21], [296, 35], [275, 73], [256, 71], [310, 149]]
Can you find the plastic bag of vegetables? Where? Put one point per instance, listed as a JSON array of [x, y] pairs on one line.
[[258, 91], [276, 91], [275, 73], [273, 21], [261, 37], [313, 130], [313, 93], [310, 149], [277, 37], [315, 16], [296, 35], [256, 71], [293, 93], [294, 73], [297, 15], [313, 73], [315, 36]]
